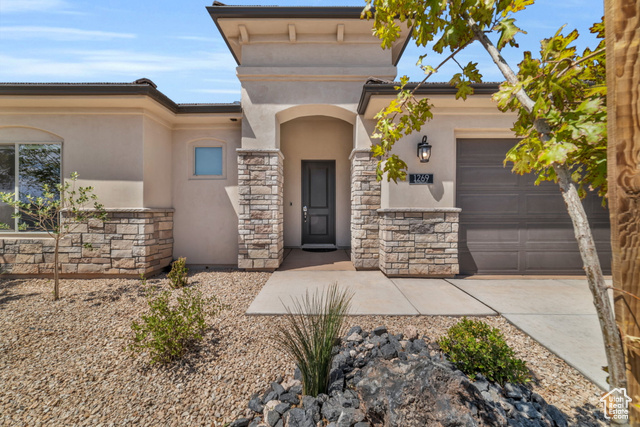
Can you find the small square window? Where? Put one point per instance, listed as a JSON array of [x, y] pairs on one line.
[[208, 161]]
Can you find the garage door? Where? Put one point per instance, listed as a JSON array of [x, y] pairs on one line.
[[508, 225]]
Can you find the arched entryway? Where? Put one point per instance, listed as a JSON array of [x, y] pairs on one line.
[[317, 184]]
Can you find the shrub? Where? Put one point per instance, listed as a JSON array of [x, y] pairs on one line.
[[309, 333], [178, 273], [476, 347], [167, 331]]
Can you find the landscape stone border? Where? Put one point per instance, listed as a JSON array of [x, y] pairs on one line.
[[378, 378]]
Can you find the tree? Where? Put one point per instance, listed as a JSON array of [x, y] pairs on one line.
[[623, 63], [559, 99], [58, 211]]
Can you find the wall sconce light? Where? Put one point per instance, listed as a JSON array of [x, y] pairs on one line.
[[424, 150]]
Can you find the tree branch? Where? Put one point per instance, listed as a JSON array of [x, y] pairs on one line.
[[575, 64]]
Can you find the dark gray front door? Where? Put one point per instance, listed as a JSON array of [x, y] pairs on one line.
[[508, 225], [318, 202]]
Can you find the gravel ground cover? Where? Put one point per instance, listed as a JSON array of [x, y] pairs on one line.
[[64, 363]]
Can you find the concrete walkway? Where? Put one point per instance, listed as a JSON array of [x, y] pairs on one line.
[[558, 313]]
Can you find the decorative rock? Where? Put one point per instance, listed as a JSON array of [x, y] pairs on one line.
[[395, 342], [401, 384], [257, 421], [269, 396], [481, 383], [528, 410], [331, 411], [410, 333], [300, 418], [269, 411], [355, 338], [278, 389], [379, 341], [354, 330], [256, 405], [272, 418], [557, 416], [242, 422], [296, 390], [282, 408], [290, 398], [379, 330], [336, 380], [290, 383], [388, 351], [513, 391], [345, 419]]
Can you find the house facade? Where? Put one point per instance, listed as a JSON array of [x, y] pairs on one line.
[[288, 167]]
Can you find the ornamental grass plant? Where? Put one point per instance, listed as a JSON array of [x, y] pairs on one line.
[[312, 327]]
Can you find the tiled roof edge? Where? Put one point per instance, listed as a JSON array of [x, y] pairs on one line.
[[140, 87], [373, 87]]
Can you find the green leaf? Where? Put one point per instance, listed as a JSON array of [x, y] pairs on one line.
[[508, 31]]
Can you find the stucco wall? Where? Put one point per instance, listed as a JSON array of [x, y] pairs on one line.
[[315, 138], [305, 55], [447, 125], [105, 149], [263, 102], [157, 164], [205, 220]]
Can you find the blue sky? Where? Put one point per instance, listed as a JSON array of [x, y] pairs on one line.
[[176, 44]]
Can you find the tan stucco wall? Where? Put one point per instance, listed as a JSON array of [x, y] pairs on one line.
[[105, 149], [449, 122], [315, 138], [205, 221], [157, 164], [304, 55], [264, 101]]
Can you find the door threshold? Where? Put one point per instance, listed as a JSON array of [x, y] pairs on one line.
[[318, 246]]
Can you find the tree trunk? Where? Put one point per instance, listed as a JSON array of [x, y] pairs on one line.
[[623, 103], [582, 230], [595, 278], [56, 271]]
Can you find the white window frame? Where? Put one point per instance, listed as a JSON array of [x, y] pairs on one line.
[[207, 143], [16, 145]]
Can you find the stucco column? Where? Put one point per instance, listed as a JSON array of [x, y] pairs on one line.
[[261, 214], [365, 202]]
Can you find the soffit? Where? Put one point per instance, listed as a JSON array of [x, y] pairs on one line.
[[312, 25]]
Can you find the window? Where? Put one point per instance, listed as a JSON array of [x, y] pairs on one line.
[[207, 159], [26, 173]]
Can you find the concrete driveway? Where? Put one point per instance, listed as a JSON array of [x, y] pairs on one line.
[[558, 313]]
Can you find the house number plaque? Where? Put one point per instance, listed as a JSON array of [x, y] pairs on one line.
[[420, 178]]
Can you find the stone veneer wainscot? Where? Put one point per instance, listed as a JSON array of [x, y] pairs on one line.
[[365, 202], [129, 243], [419, 242], [261, 211]]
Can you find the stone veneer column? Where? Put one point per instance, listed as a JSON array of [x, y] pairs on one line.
[[365, 201], [129, 243], [419, 242], [261, 214]]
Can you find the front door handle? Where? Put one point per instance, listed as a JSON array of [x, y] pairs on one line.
[[304, 213]]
